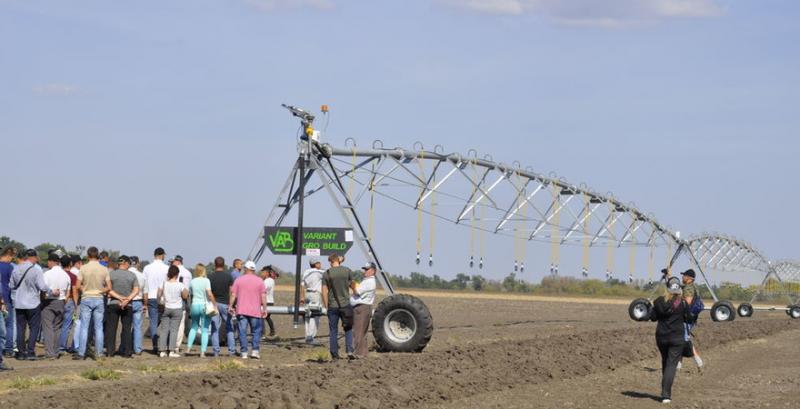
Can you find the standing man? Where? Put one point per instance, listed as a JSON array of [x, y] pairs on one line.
[[155, 274], [94, 283], [237, 269], [124, 287], [69, 308], [9, 318], [77, 264], [221, 282], [138, 305], [28, 282], [362, 300], [53, 306], [336, 295], [689, 292], [269, 275], [185, 277], [312, 286], [248, 298]]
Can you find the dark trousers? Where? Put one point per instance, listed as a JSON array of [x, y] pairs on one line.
[[153, 317], [32, 319], [52, 319], [671, 352], [269, 322], [113, 316]]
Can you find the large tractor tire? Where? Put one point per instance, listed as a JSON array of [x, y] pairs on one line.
[[402, 323], [793, 311], [723, 311], [639, 309], [745, 310]]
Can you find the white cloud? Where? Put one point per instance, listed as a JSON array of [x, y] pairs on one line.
[[63, 90], [270, 5], [598, 13]]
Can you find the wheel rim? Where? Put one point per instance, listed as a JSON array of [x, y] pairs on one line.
[[639, 311], [745, 310], [400, 326], [723, 313], [795, 312]]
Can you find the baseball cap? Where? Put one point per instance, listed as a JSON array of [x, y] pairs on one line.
[[178, 258], [689, 273], [313, 261], [124, 259], [674, 286], [249, 265], [31, 253], [369, 266], [159, 252], [134, 259]]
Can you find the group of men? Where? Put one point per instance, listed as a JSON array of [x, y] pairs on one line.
[[91, 298]]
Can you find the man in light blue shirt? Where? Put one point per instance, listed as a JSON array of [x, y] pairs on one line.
[[237, 269], [28, 281]]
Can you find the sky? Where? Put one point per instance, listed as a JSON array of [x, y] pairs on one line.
[[131, 125]]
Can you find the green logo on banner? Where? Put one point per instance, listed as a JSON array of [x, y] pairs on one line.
[[282, 242]]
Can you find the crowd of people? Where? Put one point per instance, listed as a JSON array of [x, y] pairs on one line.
[[80, 306]]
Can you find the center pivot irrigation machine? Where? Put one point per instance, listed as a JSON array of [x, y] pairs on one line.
[[489, 198]]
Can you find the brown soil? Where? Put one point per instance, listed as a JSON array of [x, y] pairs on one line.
[[485, 353]]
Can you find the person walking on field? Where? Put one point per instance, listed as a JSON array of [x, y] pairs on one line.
[[28, 282], [312, 285], [336, 295], [669, 310], [172, 295], [689, 293], [124, 287], [53, 305], [155, 274], [362, 300], [94, 283], [249, 301], [221, 282], [200, 289]]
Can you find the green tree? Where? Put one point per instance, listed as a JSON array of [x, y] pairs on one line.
[[6, 241]]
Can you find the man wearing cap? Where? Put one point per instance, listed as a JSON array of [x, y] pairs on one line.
[[689, 292], [138, 305], [336, 296], [249, 301], [53, 306], [124, 287], [312, 284], [94, 284], [362, 300], [185, 277], [28, 282], [155, 274]]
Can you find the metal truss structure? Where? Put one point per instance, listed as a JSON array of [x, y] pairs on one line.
[[785, 275]]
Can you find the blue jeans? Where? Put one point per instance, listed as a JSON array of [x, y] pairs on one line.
[[63, 340], [153, 316], [334, 315], [138, 308], [256, 324], [92, 308], [217, 323], [2, 332], [11, 329]]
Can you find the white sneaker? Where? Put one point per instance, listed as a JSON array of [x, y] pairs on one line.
[[174, 355], [666, 401], [162, 354], [202, 355], [255, 355], [244, 355], [680, 365]]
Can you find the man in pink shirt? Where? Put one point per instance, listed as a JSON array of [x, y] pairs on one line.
[[249, 301]]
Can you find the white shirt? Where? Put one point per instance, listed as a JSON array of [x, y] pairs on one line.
[[185, 274], [76, 271], [269, 284], [172, 294], [142, 283], [57, 278], [366, 292], [312, 279], [155, 274]]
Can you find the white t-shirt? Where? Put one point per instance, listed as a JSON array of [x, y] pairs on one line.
[[312, 279], [185, 274], [155, 274], [76, 271], [57, 278], [172, 294], [142, 283], [366, 292], [269, 284]]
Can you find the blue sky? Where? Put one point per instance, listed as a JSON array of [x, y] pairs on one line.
[[132, 125]]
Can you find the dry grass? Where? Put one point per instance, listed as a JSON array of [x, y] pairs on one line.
[[21, 383], [319, 355], [100, 374], [150, 369], [226, 365]]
